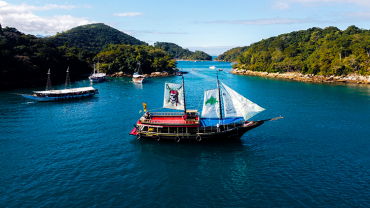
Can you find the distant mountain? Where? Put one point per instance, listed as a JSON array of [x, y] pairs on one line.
[[180, 53], [93, 37]]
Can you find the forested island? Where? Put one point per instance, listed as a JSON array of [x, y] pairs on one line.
[[232, 54], [327, 52], [93, 37], [180, 53], [25, 59], [124, 58], [315, 52]]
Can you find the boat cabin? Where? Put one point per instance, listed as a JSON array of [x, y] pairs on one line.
[[191, 114]]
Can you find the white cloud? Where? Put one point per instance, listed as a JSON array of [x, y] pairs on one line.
[[280, 6], [21, 17], [127, 14], [358, 15]]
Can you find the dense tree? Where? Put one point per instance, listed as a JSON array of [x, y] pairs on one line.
[[93, 37], [232, 54], [25, 60], [327, 51], [180, 53], [124, 58]]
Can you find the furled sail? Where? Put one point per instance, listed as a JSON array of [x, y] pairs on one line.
[[173, 96], [236, 105], [211, 104]]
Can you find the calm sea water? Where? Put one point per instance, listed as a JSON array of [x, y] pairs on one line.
[[79, 154]]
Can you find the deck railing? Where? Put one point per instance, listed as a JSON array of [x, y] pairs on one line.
[[168, 113], [169, 122]]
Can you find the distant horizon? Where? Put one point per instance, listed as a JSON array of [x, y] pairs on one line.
[[212, 27]]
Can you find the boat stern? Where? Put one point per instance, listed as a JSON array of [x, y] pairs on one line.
[[133, 131]]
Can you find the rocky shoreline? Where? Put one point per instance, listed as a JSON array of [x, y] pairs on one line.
[[350, 78], [153, 74]]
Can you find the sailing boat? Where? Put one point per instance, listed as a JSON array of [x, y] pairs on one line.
[[98, 77], [211, 125], [138, 77], [56, 95]]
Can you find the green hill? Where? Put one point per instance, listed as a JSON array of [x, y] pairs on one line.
[[93, 37], [180, 53], [232, 54], [328, 51], [25, 60], [124, 58]]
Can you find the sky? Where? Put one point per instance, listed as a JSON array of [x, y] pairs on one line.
[[210, 26]]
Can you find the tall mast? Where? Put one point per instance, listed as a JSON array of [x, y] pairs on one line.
[[219, 96], [48, 84], [67, 78], [139, 68], [94, 68], [183, 85]]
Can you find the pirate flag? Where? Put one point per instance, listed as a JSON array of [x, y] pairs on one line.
[[173, 96]]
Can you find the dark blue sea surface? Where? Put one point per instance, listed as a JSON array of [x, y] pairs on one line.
[[79, 153]]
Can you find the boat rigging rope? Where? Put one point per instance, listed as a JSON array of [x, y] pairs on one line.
[[155, 109], [200, 100]]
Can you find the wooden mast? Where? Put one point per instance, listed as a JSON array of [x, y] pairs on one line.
[[183, 85], [48, 84], [67, 78], [219, 96]]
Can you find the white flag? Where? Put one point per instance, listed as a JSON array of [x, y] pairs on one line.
[[211, 104]]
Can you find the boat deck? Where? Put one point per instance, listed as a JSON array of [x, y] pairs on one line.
[[170, 120]]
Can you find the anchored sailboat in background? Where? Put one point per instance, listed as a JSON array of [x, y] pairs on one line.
[[98, 77], [210, 126], [65, 94], [138, 76]]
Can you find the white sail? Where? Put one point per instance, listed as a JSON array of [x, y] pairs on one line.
[[173, 96], [211, 105], [228, 105], [238, 106]]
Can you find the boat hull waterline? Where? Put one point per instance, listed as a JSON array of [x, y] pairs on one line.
[[209, 133], [58, 95]]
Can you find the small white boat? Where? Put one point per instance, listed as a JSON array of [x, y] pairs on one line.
[[221, 69], [138, 77], [65, 94], [212, 67], [98, 77]]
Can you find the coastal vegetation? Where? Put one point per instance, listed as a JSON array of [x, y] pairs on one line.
[[124, 58], [93, 37], [328, 51], [25, 60], [180, 53], [232, 54]]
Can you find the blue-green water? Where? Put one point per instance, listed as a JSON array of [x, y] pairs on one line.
[[79, 154]]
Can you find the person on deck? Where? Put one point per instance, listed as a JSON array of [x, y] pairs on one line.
[[218, 127]]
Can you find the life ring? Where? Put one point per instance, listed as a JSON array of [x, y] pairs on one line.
[[157, 138], [138, 136], [177, 139], [198, 138]]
